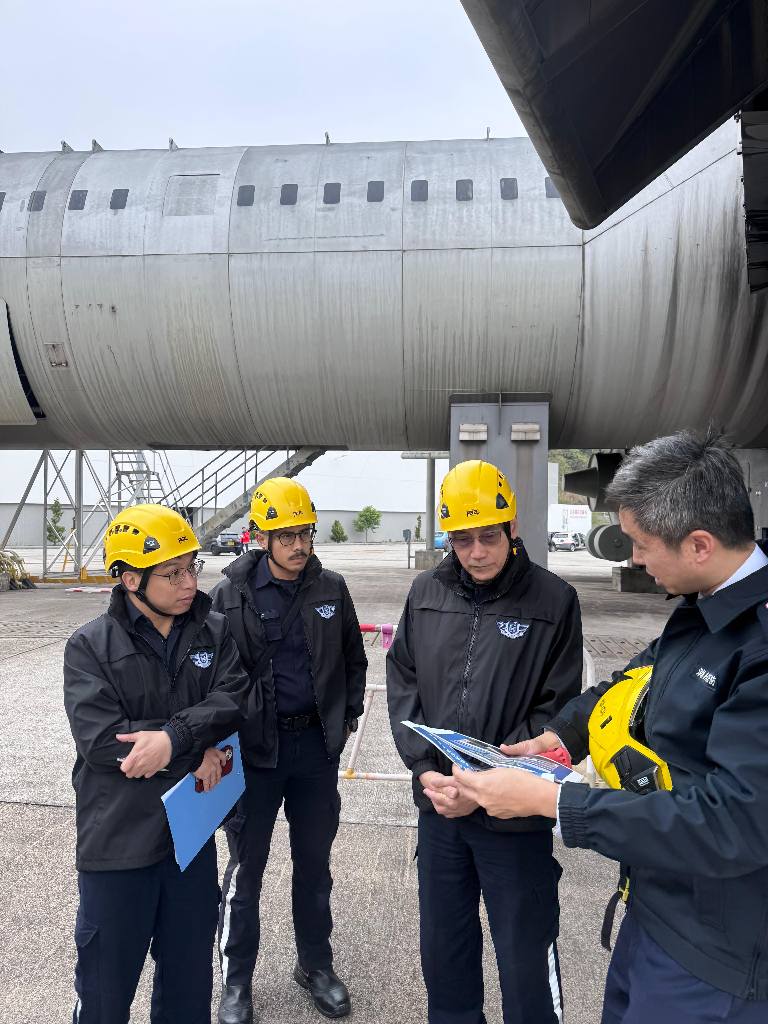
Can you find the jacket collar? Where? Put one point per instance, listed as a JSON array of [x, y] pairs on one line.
[[450, 573], [118, 608], [720, 609], [241, 570]]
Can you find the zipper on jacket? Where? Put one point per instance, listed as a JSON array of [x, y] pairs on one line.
[[468, 666], [247, 598], [308, 642]]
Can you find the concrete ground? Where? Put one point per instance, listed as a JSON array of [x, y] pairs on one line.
[[374, 901]]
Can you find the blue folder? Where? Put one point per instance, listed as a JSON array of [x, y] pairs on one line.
[[194, 817]]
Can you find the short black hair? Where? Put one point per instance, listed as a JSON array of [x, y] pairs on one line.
[[684, 482]]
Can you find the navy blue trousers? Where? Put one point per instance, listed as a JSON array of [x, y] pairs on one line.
[[645, 984], [517, 876], [308, 783], [124, 914]]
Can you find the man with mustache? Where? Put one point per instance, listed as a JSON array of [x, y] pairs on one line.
[[298, 635]]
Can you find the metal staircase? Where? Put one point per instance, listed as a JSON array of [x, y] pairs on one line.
[[237, 508]]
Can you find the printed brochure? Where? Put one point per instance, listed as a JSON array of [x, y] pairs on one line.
[[476, 755]]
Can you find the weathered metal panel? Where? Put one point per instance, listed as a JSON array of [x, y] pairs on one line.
[[98, 230], [48, 361], [203, 227], [355, 223], [442, 222], [19, 177], [319, 345], [268, 225], [107, 321], [44, 227], [487, 321], [14, 408], [199, 388], [672, 336], [532, 219]]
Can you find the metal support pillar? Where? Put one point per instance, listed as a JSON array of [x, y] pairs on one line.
[[512, 432], [79, 538], [429, 525]]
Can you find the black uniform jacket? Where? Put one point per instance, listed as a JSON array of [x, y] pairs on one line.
[[698, 856], [115, 683], [335, 646], [495, 662]]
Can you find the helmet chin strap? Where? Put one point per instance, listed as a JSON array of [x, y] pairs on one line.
[[141, 593]]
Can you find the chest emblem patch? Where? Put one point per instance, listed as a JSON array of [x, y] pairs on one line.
[[709, 678], [326, 611], [203, 659], [512, 629]]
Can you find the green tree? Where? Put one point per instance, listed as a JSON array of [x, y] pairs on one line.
[[53, 532], [417, 531], [367, 519], [570, 460], [338, 536]]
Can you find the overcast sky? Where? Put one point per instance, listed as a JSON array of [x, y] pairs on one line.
[[247, 72]]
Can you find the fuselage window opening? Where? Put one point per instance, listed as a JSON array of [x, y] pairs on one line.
[[331, 193], [550, 189], [375, 192], [288, 195], [118, 199], [245, 195], [37, 201], [464, 190], [508, 188], [2, 199], [419, 190], [77, 199]]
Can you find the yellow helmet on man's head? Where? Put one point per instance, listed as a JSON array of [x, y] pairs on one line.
[[144, 535], [281, 502], [475, 493]]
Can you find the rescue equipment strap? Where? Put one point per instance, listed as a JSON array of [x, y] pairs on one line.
[[622, 893]]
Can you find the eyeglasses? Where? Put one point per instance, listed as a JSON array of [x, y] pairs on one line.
[[288, 538], [464, 541], [175, 577]]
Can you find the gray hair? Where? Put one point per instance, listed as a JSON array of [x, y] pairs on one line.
[[674, 485]]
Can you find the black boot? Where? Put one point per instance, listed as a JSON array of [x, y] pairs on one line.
[[236, 1005], [329, 994]]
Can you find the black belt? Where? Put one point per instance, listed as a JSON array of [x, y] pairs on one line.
[[298, 722]]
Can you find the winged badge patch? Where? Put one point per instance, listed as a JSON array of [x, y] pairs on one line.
[[203, 659], [512, 629], [326, 611]]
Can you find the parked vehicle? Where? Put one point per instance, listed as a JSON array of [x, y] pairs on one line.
[[227, 543], [566, 541]]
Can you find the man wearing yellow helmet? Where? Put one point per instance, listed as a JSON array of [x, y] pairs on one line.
[[681, 736], [299, 638], [488, 644], [150, 688]]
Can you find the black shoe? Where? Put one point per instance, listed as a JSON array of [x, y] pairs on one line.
[[236, 1005], [329, 994]]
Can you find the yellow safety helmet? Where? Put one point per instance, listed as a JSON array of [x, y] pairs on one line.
[[475, 493], [281, 502], [144, 535], [620, 758]]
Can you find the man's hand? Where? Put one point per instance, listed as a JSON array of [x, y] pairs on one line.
[[509, 792], [538, 745], [445, 795], [210, 768], [151, 752]]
